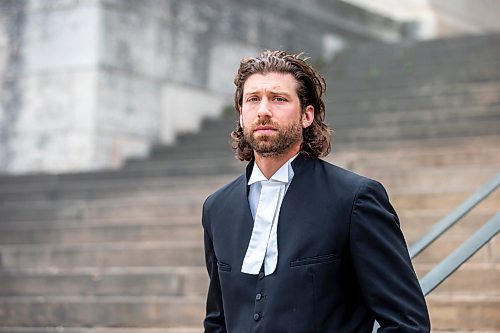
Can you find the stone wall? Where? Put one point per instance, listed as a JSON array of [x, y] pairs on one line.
[[430, 19], [458, 17], [89, 83], [49, 85]]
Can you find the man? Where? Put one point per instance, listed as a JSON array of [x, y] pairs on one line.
[[296, 244]]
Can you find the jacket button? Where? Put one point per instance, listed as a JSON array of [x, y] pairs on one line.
[[256, 317], [261, 275], [258, 297]]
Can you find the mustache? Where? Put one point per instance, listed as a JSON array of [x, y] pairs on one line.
[[264, 122]]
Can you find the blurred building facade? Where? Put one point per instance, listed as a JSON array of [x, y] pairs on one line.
[[430, 19], [89, 83]]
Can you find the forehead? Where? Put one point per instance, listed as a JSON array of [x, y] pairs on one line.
[[272, 81]]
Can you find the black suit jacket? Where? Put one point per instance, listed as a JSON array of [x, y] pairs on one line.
[[342, 259]]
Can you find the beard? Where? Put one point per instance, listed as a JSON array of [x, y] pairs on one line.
[[277, 144]]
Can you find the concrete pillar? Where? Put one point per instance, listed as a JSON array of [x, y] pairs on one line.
[[49, 85]]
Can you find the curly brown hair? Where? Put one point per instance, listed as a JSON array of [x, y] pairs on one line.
[[310, 88]]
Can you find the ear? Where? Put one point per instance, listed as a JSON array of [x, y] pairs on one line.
[[308, 116], [241, 120]]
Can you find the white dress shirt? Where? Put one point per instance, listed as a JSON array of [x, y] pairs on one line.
[[263, 246]]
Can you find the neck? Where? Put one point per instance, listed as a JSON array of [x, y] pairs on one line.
[[268, 165]]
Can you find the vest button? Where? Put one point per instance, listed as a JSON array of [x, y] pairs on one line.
[[258, 297], [261, 275], [256, 317]]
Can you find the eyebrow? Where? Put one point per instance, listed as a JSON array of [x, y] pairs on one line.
[[273, 92]]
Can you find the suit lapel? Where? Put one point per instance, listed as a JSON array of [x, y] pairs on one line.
[[300, 168], [242, 229]]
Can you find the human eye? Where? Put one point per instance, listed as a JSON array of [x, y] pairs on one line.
[[280, 99], [252, 99]]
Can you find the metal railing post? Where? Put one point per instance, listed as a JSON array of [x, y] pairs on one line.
[[449, 220], [452, 262]]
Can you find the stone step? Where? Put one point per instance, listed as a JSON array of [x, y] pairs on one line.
[[114, 184], [337, 108], [373, 80], [186, 228], [190, 230], [206, 141], [411, 62], [448, 312], [71, 193], [469, 278], [377, 167], [362, 135], [125, 254], [421, 142], [166, 197], [28, 225], [409, 152], [405, 72], [185, 281], [344, 141], [210, 145], [213, 159], [440, 50], [103, 234], [115, 311], [221, 137], [441, 65], [403, 171], [104, 189], [414, 227], [387, 110], [368, 89], [185, 202], [477, 153], [222, 162], [350, 118], [421, 216], [460, 179], [155, 169], [355, 143], [220, 128], [393, 56], [439, 200], [464, 312], [103, 209], [457, 128], [378, 111], [66, 329], [130, 281], [183, 253], [462, 331], [446, 244], [191, 203], [418, 117], [207, 166]]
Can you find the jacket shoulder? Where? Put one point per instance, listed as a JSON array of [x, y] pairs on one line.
[[343, 176], [224, 193]]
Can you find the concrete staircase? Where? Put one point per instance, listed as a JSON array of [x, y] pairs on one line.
[[121, 251]]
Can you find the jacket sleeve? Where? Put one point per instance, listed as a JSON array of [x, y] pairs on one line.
[[383, 267], [214, 319]]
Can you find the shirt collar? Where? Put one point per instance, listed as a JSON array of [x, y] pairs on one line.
[[282, 175]]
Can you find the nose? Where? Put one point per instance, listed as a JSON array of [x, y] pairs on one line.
[[264, 108]]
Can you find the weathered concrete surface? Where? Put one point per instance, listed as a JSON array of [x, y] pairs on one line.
[[87, 84]]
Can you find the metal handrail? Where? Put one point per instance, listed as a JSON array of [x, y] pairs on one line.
[[456, 259], [449, 220], [452, 262], [466, 250]]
